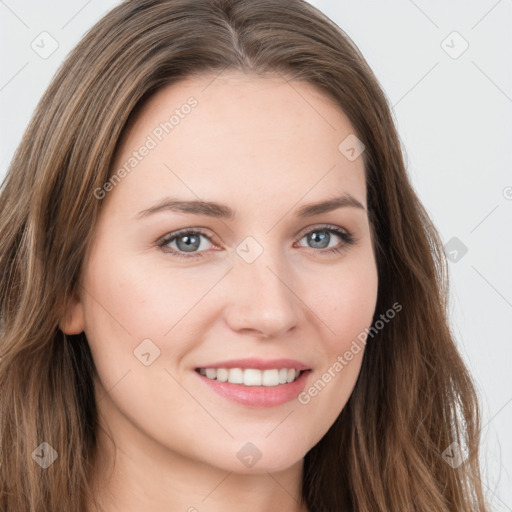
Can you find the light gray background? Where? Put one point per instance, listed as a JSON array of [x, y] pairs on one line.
[[453, 110]]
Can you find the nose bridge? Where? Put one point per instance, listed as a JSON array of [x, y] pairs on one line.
[[262, 296], [264, 269]]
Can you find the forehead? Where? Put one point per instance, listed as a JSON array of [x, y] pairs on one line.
[[244, 133]]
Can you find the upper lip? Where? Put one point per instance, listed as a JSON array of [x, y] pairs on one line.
[[261, 364]]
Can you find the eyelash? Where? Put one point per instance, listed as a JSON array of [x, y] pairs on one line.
[[347, 237]]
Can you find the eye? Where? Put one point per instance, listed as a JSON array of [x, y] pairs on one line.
[[188, 243], [322, 236]]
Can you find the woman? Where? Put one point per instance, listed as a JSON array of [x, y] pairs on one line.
[[219, 289]]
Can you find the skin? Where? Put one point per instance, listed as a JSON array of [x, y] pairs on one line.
[[265, 148]]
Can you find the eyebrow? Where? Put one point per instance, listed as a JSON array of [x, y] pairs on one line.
[[222, 211]]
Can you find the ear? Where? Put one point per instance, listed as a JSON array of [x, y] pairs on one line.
[[72, 321]]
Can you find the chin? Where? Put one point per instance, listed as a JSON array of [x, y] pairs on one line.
[[247, 458]]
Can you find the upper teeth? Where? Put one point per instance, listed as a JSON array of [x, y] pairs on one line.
[[251, 376]]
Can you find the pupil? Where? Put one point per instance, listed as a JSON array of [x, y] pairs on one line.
[[321, 239], [191, 242]]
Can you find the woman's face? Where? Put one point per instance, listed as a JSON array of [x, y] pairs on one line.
[[208, 254]]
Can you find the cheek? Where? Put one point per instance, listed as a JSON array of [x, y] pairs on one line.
[[131, 299], [346, 299], [138, 295], [345, 302]]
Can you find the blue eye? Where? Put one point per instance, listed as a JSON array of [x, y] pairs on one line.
[[188, 242], [322, 236]]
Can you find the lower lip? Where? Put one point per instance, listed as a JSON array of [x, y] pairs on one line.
[[258, 396]]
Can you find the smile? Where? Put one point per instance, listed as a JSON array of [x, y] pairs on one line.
[[252, 376]]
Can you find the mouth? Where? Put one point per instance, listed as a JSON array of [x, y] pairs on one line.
[[252, 376], [256, 383]]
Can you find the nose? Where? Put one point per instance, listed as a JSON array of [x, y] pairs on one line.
[[260, 297]]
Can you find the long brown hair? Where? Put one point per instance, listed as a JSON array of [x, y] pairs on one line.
[[414, 397]]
